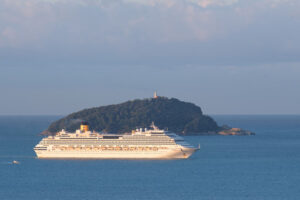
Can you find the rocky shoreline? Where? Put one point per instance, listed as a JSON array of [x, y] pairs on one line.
[[226, 130]]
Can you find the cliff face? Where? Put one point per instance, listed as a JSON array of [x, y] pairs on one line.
[[178, 116]]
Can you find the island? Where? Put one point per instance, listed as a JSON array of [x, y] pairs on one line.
[[181, 117]]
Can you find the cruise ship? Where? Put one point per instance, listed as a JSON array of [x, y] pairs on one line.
[[145, 143]]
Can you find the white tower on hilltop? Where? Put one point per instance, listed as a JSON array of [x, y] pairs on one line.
[[155, 95]]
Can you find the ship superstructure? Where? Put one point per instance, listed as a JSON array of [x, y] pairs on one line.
[[140, 144]]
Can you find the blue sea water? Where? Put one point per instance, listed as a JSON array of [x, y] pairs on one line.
[[265, 166]]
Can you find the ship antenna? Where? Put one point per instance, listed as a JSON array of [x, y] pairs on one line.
[[153, 126]]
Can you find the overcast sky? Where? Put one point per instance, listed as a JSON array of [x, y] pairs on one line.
[[227, 56]]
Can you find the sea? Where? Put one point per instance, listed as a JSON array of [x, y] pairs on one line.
[[265, 166]]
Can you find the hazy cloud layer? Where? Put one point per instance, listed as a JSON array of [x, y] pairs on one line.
[[228, 56], [149, 32]]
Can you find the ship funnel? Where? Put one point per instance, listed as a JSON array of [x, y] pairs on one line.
[[84, 127]]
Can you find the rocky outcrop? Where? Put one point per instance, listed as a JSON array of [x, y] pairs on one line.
[[226, 130]]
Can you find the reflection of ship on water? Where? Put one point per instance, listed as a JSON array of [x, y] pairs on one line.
[[141, 144]]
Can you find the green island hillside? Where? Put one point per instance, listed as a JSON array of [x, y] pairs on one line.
[[168, 113]]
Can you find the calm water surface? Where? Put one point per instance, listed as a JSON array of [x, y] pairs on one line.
[[265, 166]]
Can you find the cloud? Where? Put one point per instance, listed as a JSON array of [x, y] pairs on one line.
[[43, 18], [8, 34], [168, 3], [275, 3], [207, 3], [153, 31]]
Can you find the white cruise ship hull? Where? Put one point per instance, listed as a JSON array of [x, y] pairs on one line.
[[84, 144], [171, 154]]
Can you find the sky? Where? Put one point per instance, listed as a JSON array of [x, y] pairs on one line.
[[226, 56]]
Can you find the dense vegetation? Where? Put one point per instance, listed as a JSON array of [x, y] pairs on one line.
[[178, 116]]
